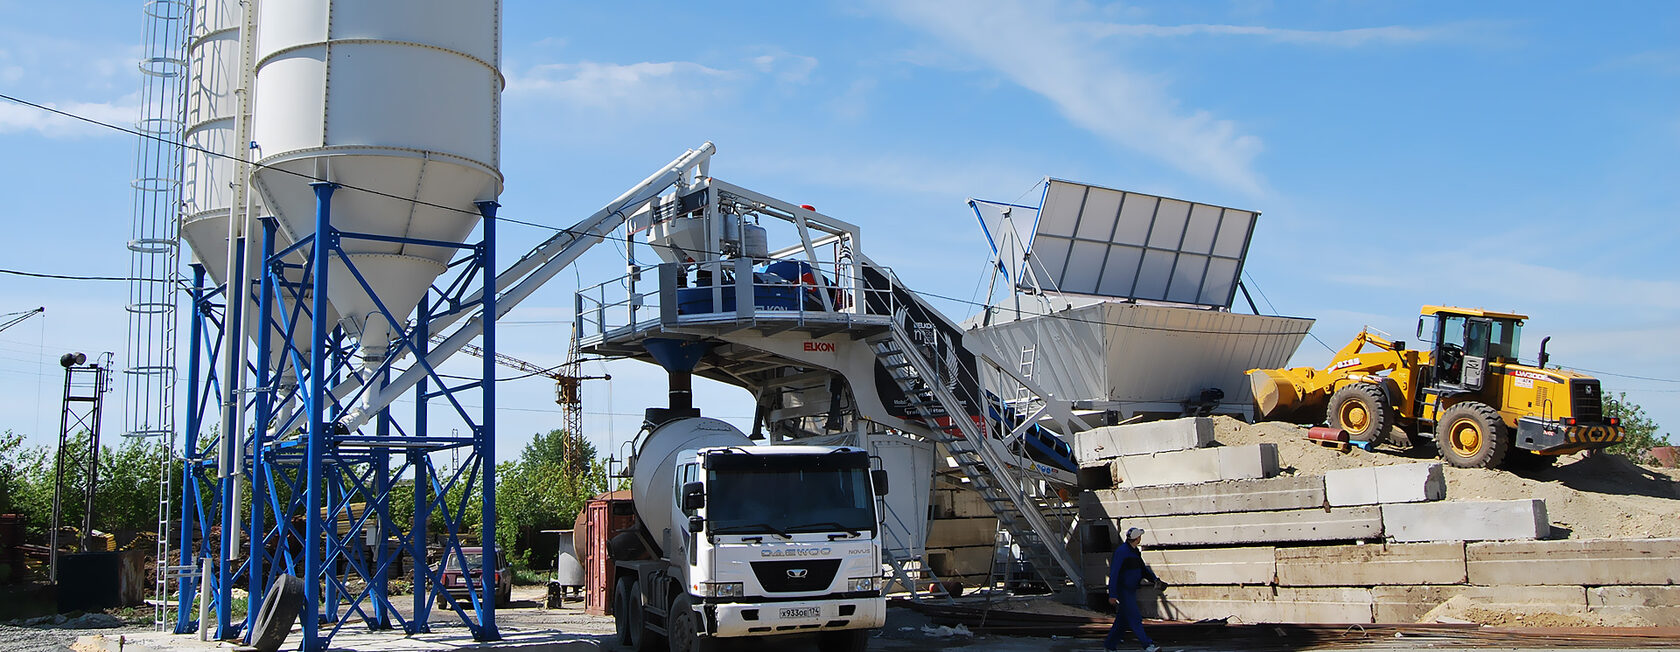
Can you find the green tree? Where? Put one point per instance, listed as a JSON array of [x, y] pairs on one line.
[[1640, 427]]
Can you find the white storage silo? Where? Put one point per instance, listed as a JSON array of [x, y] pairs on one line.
[[399, 101], [208, 170]]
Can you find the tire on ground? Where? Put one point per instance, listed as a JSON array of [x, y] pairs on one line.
[[1471, 435], [1362, 410], [280, 607]]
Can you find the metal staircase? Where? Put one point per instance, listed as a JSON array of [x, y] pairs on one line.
[[1015, 497]]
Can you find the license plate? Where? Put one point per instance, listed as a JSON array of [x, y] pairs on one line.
[[801, 612]]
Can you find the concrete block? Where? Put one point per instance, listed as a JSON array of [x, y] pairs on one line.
[[1659, 605], [1515, 598], [973, 560], [1212, 565], [960, 503], [957, 532], [1259, 604], [1371, 565], [1397, 483], [1408, 604], [1339, 524], [1196, 466], [1466, 521], [1108, 442], [1587, 562], [1271, 494]]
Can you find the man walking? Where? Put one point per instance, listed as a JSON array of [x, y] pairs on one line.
[[1125, 572]]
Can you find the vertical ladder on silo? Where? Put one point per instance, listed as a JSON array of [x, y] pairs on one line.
[[1042, 540]]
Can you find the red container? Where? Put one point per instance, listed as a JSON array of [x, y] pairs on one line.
[[1326, 434], [601, 518]]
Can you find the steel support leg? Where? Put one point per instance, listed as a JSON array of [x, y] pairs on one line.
[[318, 437]]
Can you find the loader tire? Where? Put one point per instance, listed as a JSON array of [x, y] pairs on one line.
[[1362, 410], [1471, 435]]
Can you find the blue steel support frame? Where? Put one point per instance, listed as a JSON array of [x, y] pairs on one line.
[[200, 488], [327, 491]]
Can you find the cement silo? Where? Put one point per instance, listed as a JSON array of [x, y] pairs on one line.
[[399, 102]]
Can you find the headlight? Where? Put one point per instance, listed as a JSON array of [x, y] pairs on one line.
[[863, 584], [722, 589]]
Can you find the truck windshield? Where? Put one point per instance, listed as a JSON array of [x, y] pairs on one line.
[[789, 499]]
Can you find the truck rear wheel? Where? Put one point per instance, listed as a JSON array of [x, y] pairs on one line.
[[1471, 435], [1362, 410], [684, 631], [627, 614]]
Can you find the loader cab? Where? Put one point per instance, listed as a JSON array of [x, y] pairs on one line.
[[1466, 341]]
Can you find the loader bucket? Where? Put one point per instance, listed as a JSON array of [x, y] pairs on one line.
[[1274, 392]]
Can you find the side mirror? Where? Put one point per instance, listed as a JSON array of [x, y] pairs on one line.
[[696, 524], [694, 495], [878, 477]]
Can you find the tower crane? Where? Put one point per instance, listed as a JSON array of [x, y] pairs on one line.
[[568, 383], [18, 317]]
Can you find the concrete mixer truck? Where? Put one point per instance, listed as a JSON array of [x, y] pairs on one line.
[[740, 540]]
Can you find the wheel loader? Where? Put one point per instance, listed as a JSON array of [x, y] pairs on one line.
[[1462, 391]]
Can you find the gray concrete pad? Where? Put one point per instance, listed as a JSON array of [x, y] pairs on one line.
[[1466, 521], [1196, 466], [960, 532], [1514, 598], [1108, 442], [1338, 524], [1396, 483], [1270, 494], [1371, 565], [1660, 605], [1590, 562], [1258, 604]]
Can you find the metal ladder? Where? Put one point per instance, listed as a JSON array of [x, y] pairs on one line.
[[1042, 542]]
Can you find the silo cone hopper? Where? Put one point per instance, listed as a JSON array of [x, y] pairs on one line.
[[407, 124]]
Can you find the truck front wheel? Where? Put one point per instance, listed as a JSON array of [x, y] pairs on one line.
[[684, 632], [850, 640]]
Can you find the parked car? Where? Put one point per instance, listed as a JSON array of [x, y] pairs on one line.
[[455, 583]]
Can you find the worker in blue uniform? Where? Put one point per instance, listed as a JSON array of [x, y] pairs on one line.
[[1125, 572]]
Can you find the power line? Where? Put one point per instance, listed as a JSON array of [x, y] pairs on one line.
[[70, 277]]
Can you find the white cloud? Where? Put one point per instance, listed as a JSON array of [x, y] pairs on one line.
[[785, 67], [1063, 61], [20, 118], [648, 84], [1393, 34]]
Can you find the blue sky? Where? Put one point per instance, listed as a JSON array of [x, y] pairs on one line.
[[1516, 156]]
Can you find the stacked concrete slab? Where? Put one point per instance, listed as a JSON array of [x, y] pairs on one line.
[[962, 534], [1372, 544]]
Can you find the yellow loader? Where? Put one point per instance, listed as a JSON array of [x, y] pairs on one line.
[[1463, 389]]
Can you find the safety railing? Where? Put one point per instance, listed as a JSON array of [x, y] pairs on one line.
[[709, 292]]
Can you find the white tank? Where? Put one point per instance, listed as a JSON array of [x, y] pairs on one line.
[[208, 176], [398, 97], [652, 480]]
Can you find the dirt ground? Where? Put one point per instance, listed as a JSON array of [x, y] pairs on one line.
[[1587, 497]]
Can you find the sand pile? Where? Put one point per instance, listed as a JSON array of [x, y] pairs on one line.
[[1601, 496]]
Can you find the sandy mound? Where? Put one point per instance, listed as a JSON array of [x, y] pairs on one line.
[[1602, 496]]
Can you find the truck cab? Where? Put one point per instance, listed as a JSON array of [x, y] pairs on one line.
[[742, 540]]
